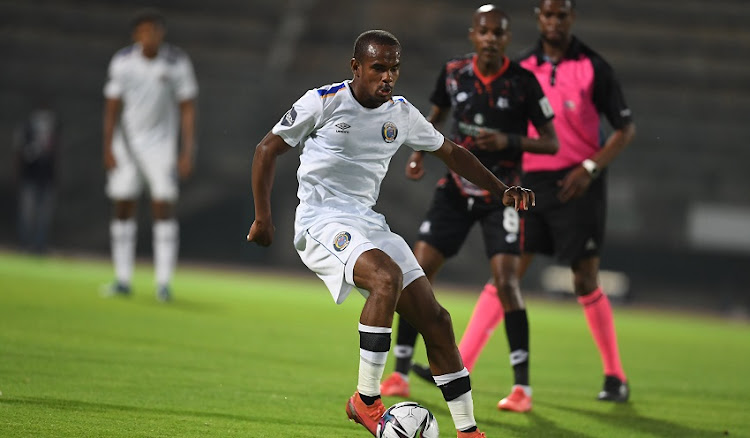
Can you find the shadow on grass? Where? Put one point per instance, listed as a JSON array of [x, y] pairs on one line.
[[92, 407], [539, 426], [179, 303], [625, 416]]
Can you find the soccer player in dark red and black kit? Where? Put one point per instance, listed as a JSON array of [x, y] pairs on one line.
[[570, 186], [492, 101]]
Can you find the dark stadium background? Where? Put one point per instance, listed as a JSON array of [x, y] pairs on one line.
[[679, 211]]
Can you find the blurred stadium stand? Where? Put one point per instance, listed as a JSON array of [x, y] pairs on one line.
[[683, 66]]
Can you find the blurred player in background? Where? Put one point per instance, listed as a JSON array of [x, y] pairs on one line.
[[571, 185], [150, 100], [493, 100], [349, 132], [37, 149]]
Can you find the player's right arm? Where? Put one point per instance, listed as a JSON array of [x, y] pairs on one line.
[[293, 127], [112, 108], [113, 92], [263, 171], [414, 167]]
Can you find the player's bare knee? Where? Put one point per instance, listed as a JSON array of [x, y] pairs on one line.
[[162, 210], [387, 279], [509, 293], [444, 318], [438, 333], [124, 209], [584, 282]]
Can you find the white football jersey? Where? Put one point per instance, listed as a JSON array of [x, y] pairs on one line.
[[347, 149], [151, 90]]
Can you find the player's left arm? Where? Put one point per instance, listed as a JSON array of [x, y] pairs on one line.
[[546, 143], [186, 92], [187, 131], [414, 167], [538, 111], [468, 166]]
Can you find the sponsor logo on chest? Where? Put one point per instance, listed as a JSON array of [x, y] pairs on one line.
[[342, 128]]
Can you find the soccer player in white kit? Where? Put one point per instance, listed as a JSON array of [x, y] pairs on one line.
[[150, 96], [349, 132]]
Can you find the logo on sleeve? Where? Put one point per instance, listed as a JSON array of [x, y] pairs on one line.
[[289, 117], [389, 131], [546, 107], [341, 241]]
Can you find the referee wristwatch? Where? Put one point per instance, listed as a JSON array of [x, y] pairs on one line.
[[591, 167]]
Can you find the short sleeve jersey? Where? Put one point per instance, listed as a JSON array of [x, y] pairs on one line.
[[507, 102], [580, 87], [346, 150], [151, 90]]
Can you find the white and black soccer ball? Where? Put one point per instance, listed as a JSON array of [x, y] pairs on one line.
[[407, 420]]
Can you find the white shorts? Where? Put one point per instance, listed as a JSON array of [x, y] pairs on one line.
[[331, 249], [155, 169]]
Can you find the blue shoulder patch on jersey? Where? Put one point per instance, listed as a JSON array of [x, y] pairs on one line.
[[125, 50], [328, 92], [172, 54]]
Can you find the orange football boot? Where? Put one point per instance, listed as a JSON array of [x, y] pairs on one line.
[[476, 434], [367, 416], [395, 386], [517, 401]]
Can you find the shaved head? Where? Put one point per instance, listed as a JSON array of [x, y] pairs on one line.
[[362, 47], [489, 9], [571, 4]]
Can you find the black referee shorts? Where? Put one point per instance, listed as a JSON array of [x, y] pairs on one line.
[[568, 231], [451, 216]]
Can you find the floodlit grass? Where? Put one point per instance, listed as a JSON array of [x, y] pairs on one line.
[[257, 355]]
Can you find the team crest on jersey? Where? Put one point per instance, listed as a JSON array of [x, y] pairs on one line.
[[389, 131], [289, 117], [341, 241]]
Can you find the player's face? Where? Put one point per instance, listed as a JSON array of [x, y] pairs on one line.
[[376, 75], [555, 20], [150, 35], [490, 35]]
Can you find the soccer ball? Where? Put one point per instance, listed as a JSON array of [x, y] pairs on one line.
[[407, 420]]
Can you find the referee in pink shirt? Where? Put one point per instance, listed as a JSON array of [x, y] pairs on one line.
[[570, 186]]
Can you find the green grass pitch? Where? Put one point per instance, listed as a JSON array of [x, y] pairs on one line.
[[260, 355]]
